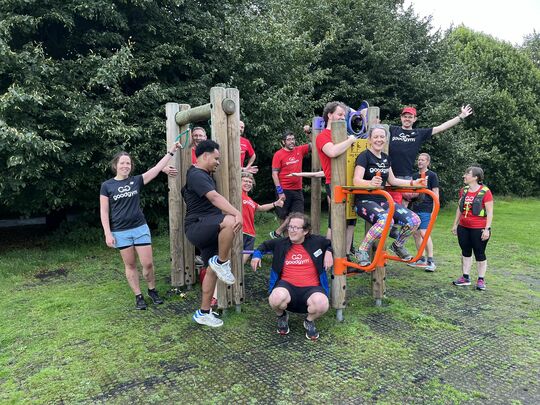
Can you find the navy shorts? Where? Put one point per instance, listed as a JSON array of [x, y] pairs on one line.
[[203, 234], [249, 241], [299, 296]]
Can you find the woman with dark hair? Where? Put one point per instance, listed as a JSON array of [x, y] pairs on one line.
[[373, 169], [472, 225], [124, 224]]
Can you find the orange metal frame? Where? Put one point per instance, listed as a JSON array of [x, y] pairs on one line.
[[379, 260]]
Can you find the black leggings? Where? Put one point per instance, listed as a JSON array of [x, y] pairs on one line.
[[470, 240]]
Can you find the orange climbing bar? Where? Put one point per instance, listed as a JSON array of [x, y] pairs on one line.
[[434, 213], [340, 196]]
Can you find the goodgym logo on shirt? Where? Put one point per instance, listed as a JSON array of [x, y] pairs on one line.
[[125, 191], [292, 160], [404, 138], [297, 259]]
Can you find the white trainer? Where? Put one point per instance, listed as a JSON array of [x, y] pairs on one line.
[[223, 271], [207, 319]]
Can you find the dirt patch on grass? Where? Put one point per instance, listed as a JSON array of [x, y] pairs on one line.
[[46, 274]]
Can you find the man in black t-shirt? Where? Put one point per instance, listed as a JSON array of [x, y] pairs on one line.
[[210, 224], [405, 143], [423, 207]]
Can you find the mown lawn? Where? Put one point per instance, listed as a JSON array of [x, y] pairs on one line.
[[69, 333]]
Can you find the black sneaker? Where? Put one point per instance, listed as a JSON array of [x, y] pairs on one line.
[[154, 296], [140, 303], [400, 251], [311, 330], [283, 324]]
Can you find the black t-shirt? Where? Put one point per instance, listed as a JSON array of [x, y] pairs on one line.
[[425, 203], [124, 202], [198, 183], [372, 164], [404, 146]]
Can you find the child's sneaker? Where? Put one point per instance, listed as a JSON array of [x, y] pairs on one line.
[[480, 285], [223, 271], [462, 281], [207, 319], [275, 235]]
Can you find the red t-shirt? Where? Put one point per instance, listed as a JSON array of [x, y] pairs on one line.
[[299, 269], [290, 161], [193, 157], [322, 139], [467, 218], [248, 214], [245, 148]]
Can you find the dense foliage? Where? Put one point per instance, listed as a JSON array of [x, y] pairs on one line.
[[80, 80]]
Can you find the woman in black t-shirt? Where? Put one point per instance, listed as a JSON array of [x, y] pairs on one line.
[[373, 169], [124, 224]]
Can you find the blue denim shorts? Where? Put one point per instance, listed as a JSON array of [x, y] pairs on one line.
[[424, 217], [139, 236]]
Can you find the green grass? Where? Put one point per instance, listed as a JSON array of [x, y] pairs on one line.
[[68, 332]]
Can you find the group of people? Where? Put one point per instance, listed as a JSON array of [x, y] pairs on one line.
[[298, 280]]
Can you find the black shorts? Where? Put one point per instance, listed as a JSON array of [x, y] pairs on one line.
[[329, 193], [299, 295], [294, 202], [249, 241], [203, 234]]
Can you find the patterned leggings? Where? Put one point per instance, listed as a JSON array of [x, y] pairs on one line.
[[376, 213]]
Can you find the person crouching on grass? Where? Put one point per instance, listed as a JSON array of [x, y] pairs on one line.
[[298, 280], [124, 224]]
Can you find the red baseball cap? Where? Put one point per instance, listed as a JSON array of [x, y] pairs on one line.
[[409, 110]]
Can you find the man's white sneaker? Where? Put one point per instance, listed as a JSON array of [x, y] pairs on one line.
[[223, 271], [207, 319]]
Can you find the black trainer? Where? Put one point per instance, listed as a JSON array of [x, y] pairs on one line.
[[311, 330], [283, 323], [156, 299], [140, 303]]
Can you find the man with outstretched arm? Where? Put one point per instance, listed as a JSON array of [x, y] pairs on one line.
[[210, 224]]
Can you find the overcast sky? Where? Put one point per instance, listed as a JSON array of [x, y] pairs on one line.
[[506, 20]]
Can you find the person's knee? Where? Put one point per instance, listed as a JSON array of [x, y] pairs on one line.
[[278, 297], [318, 303], [228, 222]]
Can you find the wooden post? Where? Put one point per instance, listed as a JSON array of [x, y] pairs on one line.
[[339, 225], [188, 249], [315, 181], [235, 192], [176, 214], [379, 274], [219, 134]]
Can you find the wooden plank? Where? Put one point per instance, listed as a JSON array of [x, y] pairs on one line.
[[176, 214], [339, 226], [219, 134], [235, 193]]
